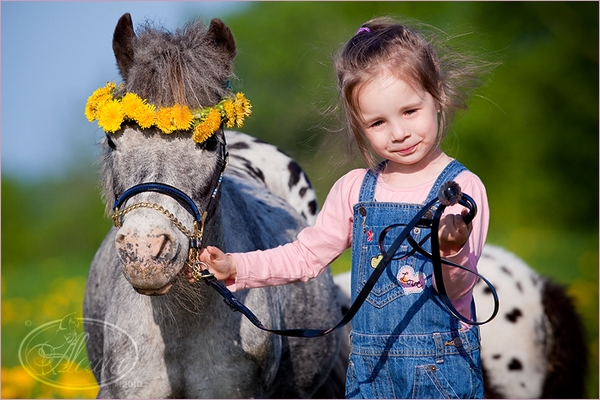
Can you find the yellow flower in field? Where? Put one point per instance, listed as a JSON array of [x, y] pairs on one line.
[[75, 381], [205, 129], [182, 117], [110, 116], [17, 383], [164, 121], [229, 109]]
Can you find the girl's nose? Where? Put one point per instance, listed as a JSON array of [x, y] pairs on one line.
[[399, 133]]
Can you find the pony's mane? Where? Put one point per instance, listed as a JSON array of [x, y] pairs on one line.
[[182, 67]]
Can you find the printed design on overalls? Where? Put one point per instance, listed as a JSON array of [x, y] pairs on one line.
[[370, 235], [376, 260], [411, 282]]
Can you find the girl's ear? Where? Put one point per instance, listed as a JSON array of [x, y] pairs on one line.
[[123, 44]]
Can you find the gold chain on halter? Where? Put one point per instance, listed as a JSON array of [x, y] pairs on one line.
[[116, 217], [193, 261]]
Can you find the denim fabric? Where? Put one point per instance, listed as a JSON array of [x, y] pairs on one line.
[[405, 343]]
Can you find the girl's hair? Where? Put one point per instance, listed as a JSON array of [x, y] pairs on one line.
[[382, 44]]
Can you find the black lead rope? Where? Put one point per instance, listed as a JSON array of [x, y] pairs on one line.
[[449, 195]]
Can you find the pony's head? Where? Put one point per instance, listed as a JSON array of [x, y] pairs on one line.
[[183, 75]]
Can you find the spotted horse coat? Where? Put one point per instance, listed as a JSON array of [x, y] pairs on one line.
[[257, 158], [534, 348]]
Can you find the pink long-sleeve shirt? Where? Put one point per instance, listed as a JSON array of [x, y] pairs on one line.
[[318, 245]]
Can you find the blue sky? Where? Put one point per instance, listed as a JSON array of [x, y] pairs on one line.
[[54, 55]]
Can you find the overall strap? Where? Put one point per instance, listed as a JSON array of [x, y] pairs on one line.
[[367, 189], [448, 174]]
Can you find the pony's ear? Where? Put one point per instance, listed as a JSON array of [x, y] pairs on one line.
[[123, 44], [221, 36]]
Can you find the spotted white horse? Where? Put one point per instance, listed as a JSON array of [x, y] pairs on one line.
[[534, 348]]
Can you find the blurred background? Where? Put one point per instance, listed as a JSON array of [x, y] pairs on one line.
[[531, 134]]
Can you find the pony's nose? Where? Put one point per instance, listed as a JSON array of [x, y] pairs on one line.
[[153, 245]]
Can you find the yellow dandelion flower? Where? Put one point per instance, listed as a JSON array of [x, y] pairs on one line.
[[164, 121], [229, 109], [90, 109], [243, 109], [111, 112], [99, 97], [182, 117], [214, 119], [144, 115], [208, 127], [130, 103], [104, 91], [110, 116]]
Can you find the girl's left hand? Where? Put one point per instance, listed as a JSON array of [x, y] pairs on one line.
[[453, 233]]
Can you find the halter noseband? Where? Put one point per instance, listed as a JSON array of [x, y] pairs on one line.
[[186, 201]]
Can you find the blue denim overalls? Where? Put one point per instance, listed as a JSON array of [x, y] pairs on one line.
[[405, 344]]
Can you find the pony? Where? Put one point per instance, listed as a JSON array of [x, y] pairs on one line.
[[159, 335]]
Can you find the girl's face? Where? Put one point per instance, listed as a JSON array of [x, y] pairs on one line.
[[400, 123]]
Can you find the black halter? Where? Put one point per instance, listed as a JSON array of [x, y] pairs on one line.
[[182, 198]]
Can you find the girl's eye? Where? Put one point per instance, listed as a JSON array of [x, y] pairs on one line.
[[376, 124], [410, 112]]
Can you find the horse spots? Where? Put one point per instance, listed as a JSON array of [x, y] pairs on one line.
[[312, 207], [535, 280], [238, 146], [488, 290], [514, 315], [252, 170], [519, 287], [251, 157], [257, 140], [295, 172], [505, 270], [497, 356], [515, 365]]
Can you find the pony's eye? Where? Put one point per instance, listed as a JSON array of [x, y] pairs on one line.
[[210, 144], [110, 143]]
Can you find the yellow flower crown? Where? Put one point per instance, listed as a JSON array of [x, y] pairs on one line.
[[111, 112]]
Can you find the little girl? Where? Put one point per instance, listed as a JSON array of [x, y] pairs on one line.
[[398, 96]]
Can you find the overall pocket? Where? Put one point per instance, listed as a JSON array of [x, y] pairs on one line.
[[430, 383], [399, 278]]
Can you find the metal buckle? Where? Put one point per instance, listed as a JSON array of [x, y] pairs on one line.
[[198, 273]]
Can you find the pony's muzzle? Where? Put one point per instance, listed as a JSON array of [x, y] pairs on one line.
[[147, 256]]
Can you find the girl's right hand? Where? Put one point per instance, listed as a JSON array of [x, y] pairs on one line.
[[220, 264]]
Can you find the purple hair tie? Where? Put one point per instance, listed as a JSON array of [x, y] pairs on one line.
[[363, 29]]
